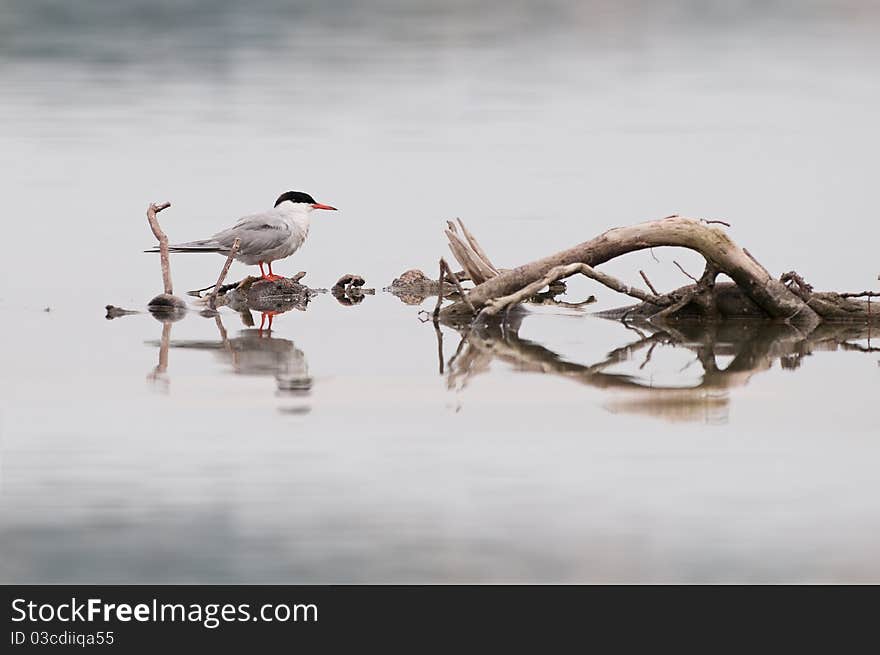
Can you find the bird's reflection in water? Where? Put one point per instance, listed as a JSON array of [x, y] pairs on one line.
[[253, 352], [748, 347]]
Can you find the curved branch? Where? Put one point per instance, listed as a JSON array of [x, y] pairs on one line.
[[152, 210], [771, 295]]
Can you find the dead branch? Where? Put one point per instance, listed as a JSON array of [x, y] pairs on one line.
[[165, 303], [212, 299], [686, 299], [861, 294], [773, 298], [469, 254], [648, 282], [495, 305], [797, 284], [478, 249], [152, 210], [447, 274], [686, 274]]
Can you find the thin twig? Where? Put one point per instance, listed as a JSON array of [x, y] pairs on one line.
[[673, 308], [212, 299], [797, 284], [861, 294], [724, 223], [684, 271], [557, 273], [444, 267], [439, 292], [152, 210], [648, 282]]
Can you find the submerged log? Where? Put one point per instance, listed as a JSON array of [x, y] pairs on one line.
[[754, 290]]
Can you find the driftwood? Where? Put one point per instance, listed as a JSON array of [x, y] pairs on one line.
[[167, 302], [152, 219], [757, 292], [447, 274], [470, 254], [212, 299]]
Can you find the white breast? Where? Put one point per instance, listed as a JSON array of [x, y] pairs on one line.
[[296, 216]]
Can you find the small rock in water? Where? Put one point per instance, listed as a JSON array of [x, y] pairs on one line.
[[293, 382], [413, 286], [166, 307]]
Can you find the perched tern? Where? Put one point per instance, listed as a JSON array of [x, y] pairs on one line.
[[265, 237]]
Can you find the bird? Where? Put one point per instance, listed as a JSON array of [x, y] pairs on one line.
[[265, 237]]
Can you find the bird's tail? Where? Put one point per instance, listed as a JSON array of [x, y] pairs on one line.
[[203, 245]]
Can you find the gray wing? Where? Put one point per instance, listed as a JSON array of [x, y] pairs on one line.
[[258, 233]]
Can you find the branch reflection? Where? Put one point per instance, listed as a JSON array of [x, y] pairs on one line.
[[747, 347]]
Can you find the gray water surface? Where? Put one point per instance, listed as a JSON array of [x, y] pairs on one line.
[[562, 448]]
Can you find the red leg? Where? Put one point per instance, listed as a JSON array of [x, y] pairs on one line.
[[262, 272], [263, 317], [272, 275]]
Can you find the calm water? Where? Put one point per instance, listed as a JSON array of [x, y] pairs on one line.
[[561, 448]]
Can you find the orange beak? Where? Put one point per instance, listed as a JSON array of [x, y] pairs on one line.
[[318, 205]]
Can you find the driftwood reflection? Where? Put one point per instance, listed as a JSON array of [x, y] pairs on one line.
[[750, 347], [159, 375]]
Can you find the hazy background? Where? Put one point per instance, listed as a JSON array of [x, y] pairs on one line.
[[540, 124]]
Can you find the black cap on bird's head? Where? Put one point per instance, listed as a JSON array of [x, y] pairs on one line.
[[301, 198]]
